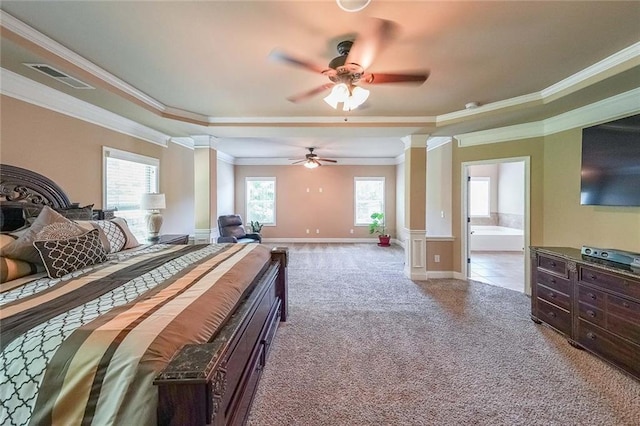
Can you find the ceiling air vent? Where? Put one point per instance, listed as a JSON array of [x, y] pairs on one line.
[[59, 75]]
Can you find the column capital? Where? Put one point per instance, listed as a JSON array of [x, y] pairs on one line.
[[205, 141], [415, 141]]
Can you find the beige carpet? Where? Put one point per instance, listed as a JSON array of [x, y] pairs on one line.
[[366, 346]]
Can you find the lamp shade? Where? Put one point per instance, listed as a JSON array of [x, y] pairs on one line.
[[152, 202]]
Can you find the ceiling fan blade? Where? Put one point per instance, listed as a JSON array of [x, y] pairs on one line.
[[372, 41], [308, 94], [326, 159], [278, 55], [381, 78], [297, 162]]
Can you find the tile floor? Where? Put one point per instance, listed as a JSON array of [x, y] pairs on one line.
[[499, 268]]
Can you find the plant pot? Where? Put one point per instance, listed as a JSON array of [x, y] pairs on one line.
[[384, 240]]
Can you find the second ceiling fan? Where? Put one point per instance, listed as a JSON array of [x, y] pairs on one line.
[[311, 160], [348, 70]]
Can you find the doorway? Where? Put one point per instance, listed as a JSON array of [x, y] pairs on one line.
[[495, 200]]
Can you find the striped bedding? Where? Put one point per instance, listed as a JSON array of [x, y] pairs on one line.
[[85, 349]]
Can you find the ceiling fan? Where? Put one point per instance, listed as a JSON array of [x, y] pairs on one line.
[[349, 69], [311, 160]]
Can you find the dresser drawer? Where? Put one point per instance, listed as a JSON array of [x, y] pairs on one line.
[[555, 282], [623, 328], [591, 296], [624, 308], [553, 264], [619, 284], [556, 317], [553, 296], [616, 350], [591, 314]]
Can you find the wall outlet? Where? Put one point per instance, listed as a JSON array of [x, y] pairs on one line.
[[320, 189], [308, 190], [351, 231], [436, 258], [442, 213], [307, 231], [317, 231]]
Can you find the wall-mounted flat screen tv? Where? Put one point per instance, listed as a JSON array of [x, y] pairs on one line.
[[610, 174]]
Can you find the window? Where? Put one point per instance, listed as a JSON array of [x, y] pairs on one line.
[[126, 177], [261, 200], [369, 198], [479, 196]]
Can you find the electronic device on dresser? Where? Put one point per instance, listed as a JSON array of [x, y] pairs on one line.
[[592, 301], [619, 256]]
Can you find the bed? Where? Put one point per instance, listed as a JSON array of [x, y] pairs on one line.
[[151, 334]]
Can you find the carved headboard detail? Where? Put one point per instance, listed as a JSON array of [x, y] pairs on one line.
[[18, 185]]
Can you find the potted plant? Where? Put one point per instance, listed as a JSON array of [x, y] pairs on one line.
[[256, 226], [377, 226]]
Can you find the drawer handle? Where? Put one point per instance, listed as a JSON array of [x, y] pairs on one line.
[[553, 264], [591, 335], [593, 277], [625, 283], [552, 314], [591, 314], [625, 304], [553, 280], [592, 296]]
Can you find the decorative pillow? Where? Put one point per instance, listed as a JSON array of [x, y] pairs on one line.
[[77, 213], [22, 248], [11, 218], [132, 241], [61, 257], [59, 231], [114, 233]]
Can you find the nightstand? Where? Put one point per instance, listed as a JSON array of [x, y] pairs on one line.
[[172, 239]]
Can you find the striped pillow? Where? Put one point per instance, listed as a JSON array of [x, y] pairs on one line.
[[11, 269]]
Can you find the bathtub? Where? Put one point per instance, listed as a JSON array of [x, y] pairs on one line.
[[495, 238]]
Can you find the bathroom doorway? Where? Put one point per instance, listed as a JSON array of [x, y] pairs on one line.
[[496, 222]]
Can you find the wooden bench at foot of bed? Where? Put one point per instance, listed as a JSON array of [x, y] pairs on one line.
[[214, 383]]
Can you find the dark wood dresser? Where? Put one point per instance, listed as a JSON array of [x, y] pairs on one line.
[[594, 303]]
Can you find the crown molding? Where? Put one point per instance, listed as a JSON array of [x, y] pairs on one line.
[[437, 141], [612, 108], [276, 161], [187, 142], [24, 89], [23, 30], [620, 61]]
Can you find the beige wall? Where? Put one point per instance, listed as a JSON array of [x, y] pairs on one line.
[[565, 221], [69, 152], [330, 211], [557, 218]]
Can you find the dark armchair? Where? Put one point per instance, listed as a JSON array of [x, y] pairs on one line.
[[232, 231]]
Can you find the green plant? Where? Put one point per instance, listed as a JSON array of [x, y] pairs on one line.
[[377, 226], [256, 226]]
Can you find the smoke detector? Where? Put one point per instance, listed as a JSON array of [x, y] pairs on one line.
[[471, 105]]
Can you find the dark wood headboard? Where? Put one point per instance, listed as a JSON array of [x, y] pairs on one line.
[[18, 185], [21, 188]]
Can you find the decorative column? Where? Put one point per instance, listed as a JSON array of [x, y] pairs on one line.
[[205, 188], [415, 205]]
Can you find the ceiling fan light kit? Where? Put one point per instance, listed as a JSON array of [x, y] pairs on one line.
[[311, 160], [353, 5], [350, 97]]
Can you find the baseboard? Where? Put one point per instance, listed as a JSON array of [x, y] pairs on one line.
[[440, 274], [319, 240], [459, 276]]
